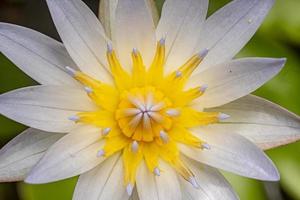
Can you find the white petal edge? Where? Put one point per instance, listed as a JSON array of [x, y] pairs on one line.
[[181, 23], [82, 35], [134, 28], [227, 31], [19, 155], [212, 184], [70, 156], [234, 79], [107, 13], [103, 182], [264, 123], [45, 107], [234, 153], [38, 55], [151, 187]]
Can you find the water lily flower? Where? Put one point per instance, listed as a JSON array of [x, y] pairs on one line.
[[141, 108]]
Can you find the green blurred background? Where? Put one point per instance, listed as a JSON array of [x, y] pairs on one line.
[[279, 36]]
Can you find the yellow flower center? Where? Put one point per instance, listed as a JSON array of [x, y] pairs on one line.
[[141, 114], [146, 114]]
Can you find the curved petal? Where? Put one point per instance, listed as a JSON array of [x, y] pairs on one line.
[[233, 153], [180, 24], [212, 184], [19, 155], [134, 28], [39, 56], [103, 182], [263, 122], [45, 107], [230, 28], [82, 35], [232, 80], [107, 13], [70, 156], [151, 187]]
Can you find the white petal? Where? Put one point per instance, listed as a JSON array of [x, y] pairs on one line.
[[263, 122], [180, 24], [151, 187], [233, 153], [212, 184], [19, 155], [134, 28], [70, 156], [232, 80], [45, 107], [145, 183], [103, 182], [82, 35], [107, 13], [230, 28], [39, 56]]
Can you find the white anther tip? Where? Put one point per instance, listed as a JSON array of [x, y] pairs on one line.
[[205, 146], [129, 189], [100, 153], [105, 131], [109, 47], [203, 53], [134, 146], [162, 41], [74, 118], [178, 73], [88, 90], [164, 136], [173, 112], [194, 183], [70, 71], [223, 116], [135, 51], [203, 88], [156, 171]]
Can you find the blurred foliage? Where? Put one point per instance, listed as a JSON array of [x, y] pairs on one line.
[[278, 37]]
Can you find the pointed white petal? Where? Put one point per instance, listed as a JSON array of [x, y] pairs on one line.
[[39, 56], [107, 13], [168, 186], [232, 80], [212, 184], [45, 107], [70, 156], [134, 28], [103, 182], [82, 35], [181, 23], [263, 122], [145, 183], [230, 28], [19, 155], [165, 186], [234, 153]]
